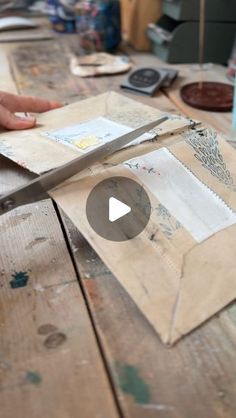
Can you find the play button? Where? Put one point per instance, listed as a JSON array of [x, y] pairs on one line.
[[118, 208]]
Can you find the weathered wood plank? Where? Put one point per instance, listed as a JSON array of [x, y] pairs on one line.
[[41, 349], [52, 78], [50, 364], [194, 378], [34, 67]]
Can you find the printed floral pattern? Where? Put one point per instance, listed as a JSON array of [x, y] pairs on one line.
[[169, 225], [206, 147], [139, 167]]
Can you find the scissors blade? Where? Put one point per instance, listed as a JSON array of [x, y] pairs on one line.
[[37, 189]]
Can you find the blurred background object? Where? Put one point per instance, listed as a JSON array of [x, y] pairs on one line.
[[62, 15], [10, 7], [231, 74], [99, 63], [136, 15], [175, 35], [6, 5], [98, 24], [24, 20]]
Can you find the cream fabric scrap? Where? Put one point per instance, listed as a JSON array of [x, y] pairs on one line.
[[193, 204]]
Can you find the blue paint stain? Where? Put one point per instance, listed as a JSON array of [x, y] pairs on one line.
[[33, 377], [19, 279], [132, 383]]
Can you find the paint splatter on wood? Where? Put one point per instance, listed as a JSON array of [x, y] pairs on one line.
[[14, 221], [46, 329], [19, 279], [92, 289], [55, 340], [33, 377], [35, 242], [132, 383]]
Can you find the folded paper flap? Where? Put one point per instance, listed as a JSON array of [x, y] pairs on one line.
[[207, 282], [152, 285]]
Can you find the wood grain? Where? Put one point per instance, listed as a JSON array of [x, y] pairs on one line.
[[48, 350], [196, 377], [50, 363]]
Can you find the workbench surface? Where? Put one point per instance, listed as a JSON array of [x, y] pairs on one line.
[[72, 342]]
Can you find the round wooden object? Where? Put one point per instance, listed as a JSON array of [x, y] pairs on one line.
[[212, 96]]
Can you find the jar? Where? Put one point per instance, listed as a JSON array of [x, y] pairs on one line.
[[98, 24]]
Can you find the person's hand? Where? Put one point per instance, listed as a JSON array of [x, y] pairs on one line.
[[10, 103]]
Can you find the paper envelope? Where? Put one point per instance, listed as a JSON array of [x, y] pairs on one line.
[[39, 152], [181, 269]]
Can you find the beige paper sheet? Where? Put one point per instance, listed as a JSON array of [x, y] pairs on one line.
[[176, 281], [39, 154]]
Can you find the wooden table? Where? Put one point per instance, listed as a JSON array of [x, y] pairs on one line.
[[72, 342]]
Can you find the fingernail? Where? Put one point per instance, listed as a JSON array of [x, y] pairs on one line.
[[55, 104], [26, 118]]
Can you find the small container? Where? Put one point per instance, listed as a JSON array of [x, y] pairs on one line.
[[98, 24], [62, 16]]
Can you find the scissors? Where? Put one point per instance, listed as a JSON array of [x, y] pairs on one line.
[[38, 188]]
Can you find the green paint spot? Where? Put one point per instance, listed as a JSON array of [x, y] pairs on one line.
[[34, 378], [132, 383], [19, 279]]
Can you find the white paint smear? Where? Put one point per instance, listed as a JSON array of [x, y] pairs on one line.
[[195, 206]]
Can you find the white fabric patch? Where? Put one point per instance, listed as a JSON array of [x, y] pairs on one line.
[[193, 204], [87, 136]]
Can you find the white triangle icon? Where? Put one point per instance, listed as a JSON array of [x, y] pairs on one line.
[[117, 209]]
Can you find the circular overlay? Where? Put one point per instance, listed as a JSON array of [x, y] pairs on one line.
[[215, 97], [126, 193], [145, 77]]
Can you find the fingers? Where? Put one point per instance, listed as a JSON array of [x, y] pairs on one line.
[[10, 121], [16, 103], [12, 103]]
